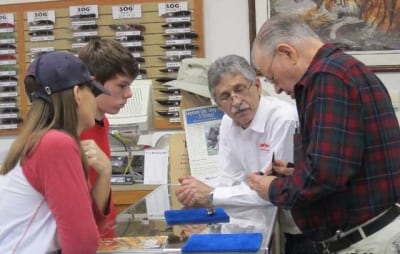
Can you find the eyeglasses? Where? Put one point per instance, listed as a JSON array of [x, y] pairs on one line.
[[268, 77], [240, 91]]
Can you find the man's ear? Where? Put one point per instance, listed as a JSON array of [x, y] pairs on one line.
[[258, 85], [287, 50]]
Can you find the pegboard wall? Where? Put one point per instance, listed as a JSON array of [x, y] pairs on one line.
[[158, 34]]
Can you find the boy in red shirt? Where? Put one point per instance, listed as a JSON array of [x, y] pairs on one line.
[[113, 66]]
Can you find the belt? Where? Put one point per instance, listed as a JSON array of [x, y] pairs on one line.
[[368, 229]]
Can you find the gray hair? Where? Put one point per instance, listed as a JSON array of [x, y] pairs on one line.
[[282, 29], [230, 64]]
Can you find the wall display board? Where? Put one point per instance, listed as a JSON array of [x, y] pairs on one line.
[[158, 34]]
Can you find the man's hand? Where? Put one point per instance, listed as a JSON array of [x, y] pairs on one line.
[[260, 184], [279, 168], [192, 192], [96, 157]]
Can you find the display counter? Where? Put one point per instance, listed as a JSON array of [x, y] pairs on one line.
[[146, 218]]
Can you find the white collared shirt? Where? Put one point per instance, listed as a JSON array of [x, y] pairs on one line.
[[242, 151]]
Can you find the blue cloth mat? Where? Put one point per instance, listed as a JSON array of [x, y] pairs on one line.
[[195, 216], [244, 242]]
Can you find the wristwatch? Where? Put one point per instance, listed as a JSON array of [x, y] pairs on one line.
[[211, 197]]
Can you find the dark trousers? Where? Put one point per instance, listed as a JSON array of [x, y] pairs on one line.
[[299, 244]]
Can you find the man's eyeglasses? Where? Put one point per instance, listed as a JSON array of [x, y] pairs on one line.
[[270, 77], [240, 91]]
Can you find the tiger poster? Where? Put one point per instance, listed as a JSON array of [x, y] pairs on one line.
[[353, 25]]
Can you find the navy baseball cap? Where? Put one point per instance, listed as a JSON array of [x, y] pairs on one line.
[[59, 71]]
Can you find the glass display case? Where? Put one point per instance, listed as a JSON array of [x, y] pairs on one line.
[[146, 219]]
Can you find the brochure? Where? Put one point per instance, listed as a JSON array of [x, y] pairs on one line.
[[129, 243], [202, 134]]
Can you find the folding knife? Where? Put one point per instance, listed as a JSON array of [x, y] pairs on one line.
[[41, 33], [140, 59], [165, 79], [177, 14], [83, 39], [128, 27], [8, 78], [7, 89], [170, 91], [6, 25], [41, 22], [174, 58], [188, 35], [167, 102], [169, 70], [85, 27], [129, 38], [9, 110], [83, 16], [7, 46], [180, 46], [167, 113], [11, 120], [7, 57], [177, 24], [135, 48]]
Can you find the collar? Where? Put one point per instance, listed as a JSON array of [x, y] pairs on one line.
[[258, 122], [324, 52]]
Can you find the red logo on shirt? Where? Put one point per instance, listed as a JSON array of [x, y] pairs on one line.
[[263, 146]]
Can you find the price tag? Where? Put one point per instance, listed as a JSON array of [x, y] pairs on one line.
[[7, 18], [127, 11], [8, 126], [178, 53], [173, 64], [132, 44], [8, 105], [42, 49], [8, 62], [84, 11], [126, 33], [136, 54], [178, 30], [171, 7], [177, 19], [42, 38], [34, 16], [178, 42]]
